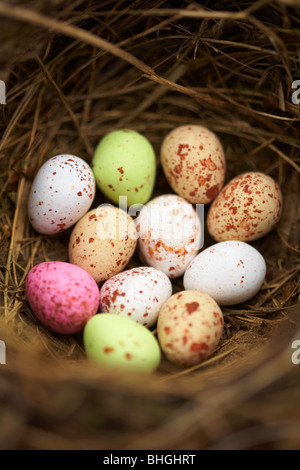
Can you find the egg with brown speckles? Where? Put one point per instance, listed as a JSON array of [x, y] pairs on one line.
[[170, 234], [115, 342], [193, 161], [103, 242], [189, 327], [247, 208], [124, 166], [61, 193], [137, 293], [230, 272]]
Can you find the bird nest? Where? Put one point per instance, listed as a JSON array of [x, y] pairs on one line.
[[70, 73]]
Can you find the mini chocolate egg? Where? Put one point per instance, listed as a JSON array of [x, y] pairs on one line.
[[61, 193], [247, 208], [103, 242], [62, 296], [230, 272], [117, 342], [137, 293], [124, 165], [189, 327], [170, 234], [193, 161]]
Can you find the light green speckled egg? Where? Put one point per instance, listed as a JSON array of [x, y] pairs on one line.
[[124, 165], [118, 342]]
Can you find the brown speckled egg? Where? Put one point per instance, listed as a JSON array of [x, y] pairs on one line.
[[137, 293], [103, 241], [247, 208], [170, 234], [193, 161], [230, 272], [189, 327], [62, 192]]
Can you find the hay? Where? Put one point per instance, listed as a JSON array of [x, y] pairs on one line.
[[75, 70]]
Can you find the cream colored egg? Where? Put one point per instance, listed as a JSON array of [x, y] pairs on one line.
[[189, 327], [247, 208], [193, 161], [103, 242]]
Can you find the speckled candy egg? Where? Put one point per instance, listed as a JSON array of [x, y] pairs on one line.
[[137, 293], [231, 272], [103, 241], [169, 232], [193, 161], [61, 193], [124, 165], [189, 327], [247, 208], [62, 296], [116, 342]]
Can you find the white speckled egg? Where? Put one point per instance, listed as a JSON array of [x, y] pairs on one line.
[[230, 272], [193, 161], [137, 293], [103, 241], [189, 327], [247, 208], [170, 234], [61, 193]]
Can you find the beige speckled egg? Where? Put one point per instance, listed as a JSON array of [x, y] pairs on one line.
[[103, 241], [193, 161], [170, 234], [189, 327], [247, 208]]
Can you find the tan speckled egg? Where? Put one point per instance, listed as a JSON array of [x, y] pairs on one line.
[[103, 241], [247, 208], [189, 327], [193, 161]]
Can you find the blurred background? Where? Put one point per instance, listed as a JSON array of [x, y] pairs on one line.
[[75, 70]]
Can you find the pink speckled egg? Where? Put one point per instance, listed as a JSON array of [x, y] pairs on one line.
[[137, 293], [247, 208], [193, 161], [62, 296], [61, 193], [170, 234], [189, 327]]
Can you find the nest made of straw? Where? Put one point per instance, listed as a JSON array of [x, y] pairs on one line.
[[75, 70]]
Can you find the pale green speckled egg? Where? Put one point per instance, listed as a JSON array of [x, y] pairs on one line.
[[120, 343], [124, 165]]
